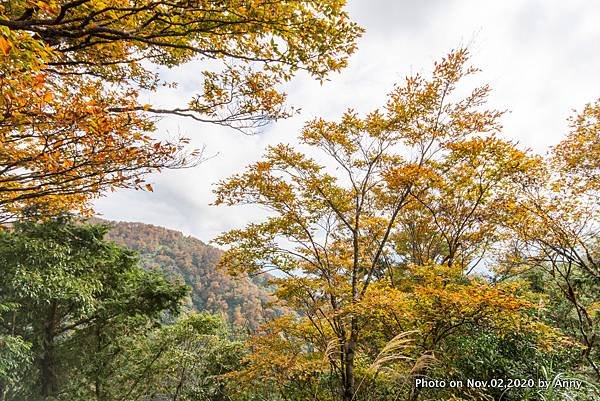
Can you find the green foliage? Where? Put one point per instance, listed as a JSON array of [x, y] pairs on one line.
[[69, 289], [185, 360], [563, 313], [188, 360], [484, 355], [14, 357]]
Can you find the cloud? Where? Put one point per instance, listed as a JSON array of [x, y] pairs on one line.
[[539, 57]]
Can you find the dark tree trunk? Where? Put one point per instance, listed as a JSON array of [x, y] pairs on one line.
[[48, 377], [349, 353], [349, 372]]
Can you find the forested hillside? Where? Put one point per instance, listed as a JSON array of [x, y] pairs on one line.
[[245, 302]]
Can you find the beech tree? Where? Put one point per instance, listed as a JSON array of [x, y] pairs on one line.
[[335, 226], [71, 121]]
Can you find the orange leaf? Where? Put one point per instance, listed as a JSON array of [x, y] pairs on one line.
[[5, 46]]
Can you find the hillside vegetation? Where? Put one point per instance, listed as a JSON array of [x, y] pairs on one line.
[[243, 301]]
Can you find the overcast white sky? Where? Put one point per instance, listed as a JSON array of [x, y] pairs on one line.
[[541, 57]]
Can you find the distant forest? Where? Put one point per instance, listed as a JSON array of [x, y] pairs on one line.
[[244, 302]]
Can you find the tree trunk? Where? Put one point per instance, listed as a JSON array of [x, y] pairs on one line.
[[349, 351], [349, 370], [101, 364], [48, 379]]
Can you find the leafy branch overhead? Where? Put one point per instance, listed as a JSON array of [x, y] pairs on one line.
[[257, 43], [72, 124]]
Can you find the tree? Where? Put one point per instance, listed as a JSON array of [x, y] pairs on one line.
[[15, 356], [414, 325], [184, 361], [71, 122], [556, 219], [70, 292], [408, 331], [334, 226]]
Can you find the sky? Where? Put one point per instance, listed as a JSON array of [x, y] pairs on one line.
[[541, 57]]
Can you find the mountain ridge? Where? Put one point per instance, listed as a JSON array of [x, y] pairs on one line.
[[243, 301]]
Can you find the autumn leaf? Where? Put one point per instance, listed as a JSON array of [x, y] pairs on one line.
[[71, 92], [5, 46]]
